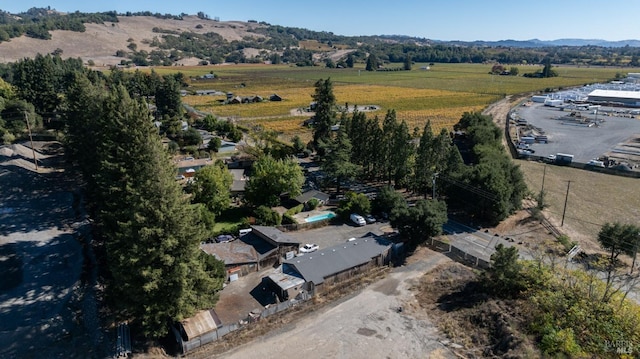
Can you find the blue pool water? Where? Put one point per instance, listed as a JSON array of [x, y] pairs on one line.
[[320, 217]]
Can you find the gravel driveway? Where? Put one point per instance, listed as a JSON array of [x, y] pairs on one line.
[[367, 325]]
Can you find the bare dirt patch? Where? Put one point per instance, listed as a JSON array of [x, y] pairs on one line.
[[477, 325]]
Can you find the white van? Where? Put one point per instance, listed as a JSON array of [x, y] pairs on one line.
[[358, 219]]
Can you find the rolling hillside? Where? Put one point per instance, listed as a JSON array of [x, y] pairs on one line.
[[101, 41]]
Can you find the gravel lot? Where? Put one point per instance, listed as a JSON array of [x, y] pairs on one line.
[[339, 233], [368, 325], [585, 143]]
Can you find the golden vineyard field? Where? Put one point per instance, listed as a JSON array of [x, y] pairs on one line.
[[441, 94], [416, 106]]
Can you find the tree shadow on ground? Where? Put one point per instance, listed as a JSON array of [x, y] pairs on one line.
[[470, 295], [263, 294], [34, 202], [44, 274]]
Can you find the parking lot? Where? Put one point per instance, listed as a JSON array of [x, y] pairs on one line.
[[584, 143], [335, 234]]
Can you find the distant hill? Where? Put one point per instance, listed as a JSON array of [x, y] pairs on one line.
[[100, 42], [540, 43], [145, 38]]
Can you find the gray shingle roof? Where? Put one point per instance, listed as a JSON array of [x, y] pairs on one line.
[[236, 252], [315, 267], [274, 234], [305, 197]]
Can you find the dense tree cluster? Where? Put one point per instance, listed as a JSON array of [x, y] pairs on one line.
[[151, 231], [270, 178], [37, 22], [493, 186], [490, 186]]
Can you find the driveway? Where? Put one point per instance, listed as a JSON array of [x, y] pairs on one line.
[[240, 297], [339, 233]]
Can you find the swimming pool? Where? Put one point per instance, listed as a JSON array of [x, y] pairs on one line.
[[320, 217]]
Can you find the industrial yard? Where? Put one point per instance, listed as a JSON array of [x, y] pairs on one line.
[[600, 133]]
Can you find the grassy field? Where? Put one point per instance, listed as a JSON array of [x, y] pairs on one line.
[[594, 198]]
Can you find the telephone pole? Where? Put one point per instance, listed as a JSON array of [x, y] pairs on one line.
[[544, 174], [566, 197]]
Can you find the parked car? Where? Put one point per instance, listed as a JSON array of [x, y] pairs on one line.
[[357, 219], [369, 219], [308, 248], [224, 238]]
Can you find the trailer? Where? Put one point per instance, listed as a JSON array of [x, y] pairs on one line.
[[553, 103], [563, 159], [528, 139]]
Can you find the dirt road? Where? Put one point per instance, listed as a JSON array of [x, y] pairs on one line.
[[47, 308], [368, 325]]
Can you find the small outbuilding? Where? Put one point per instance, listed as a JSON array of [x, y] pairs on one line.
[[239, 257], [198, 330]]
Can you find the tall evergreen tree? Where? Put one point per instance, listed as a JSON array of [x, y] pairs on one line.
[[389, 126], [325, 116], [152, 232], [425, 165], [168, 99], [407, 62], [402, 155], [372, 63], [337, 159], [35, 80]]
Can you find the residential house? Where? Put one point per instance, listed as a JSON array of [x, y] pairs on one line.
[[305, 197], [282, 241], [331, 265], [239, 181], [235, 100]]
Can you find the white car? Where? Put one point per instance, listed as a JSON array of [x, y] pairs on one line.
[[308, 248]]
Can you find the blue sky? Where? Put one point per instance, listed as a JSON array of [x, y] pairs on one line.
[[465, 20]]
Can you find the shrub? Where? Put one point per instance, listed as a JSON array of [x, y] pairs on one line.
[[288, 219], [566, 242], [312, 204], [295, 210], [265, 216]]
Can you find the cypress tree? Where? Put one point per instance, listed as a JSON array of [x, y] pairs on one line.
[[325, 116], [154, 233]]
